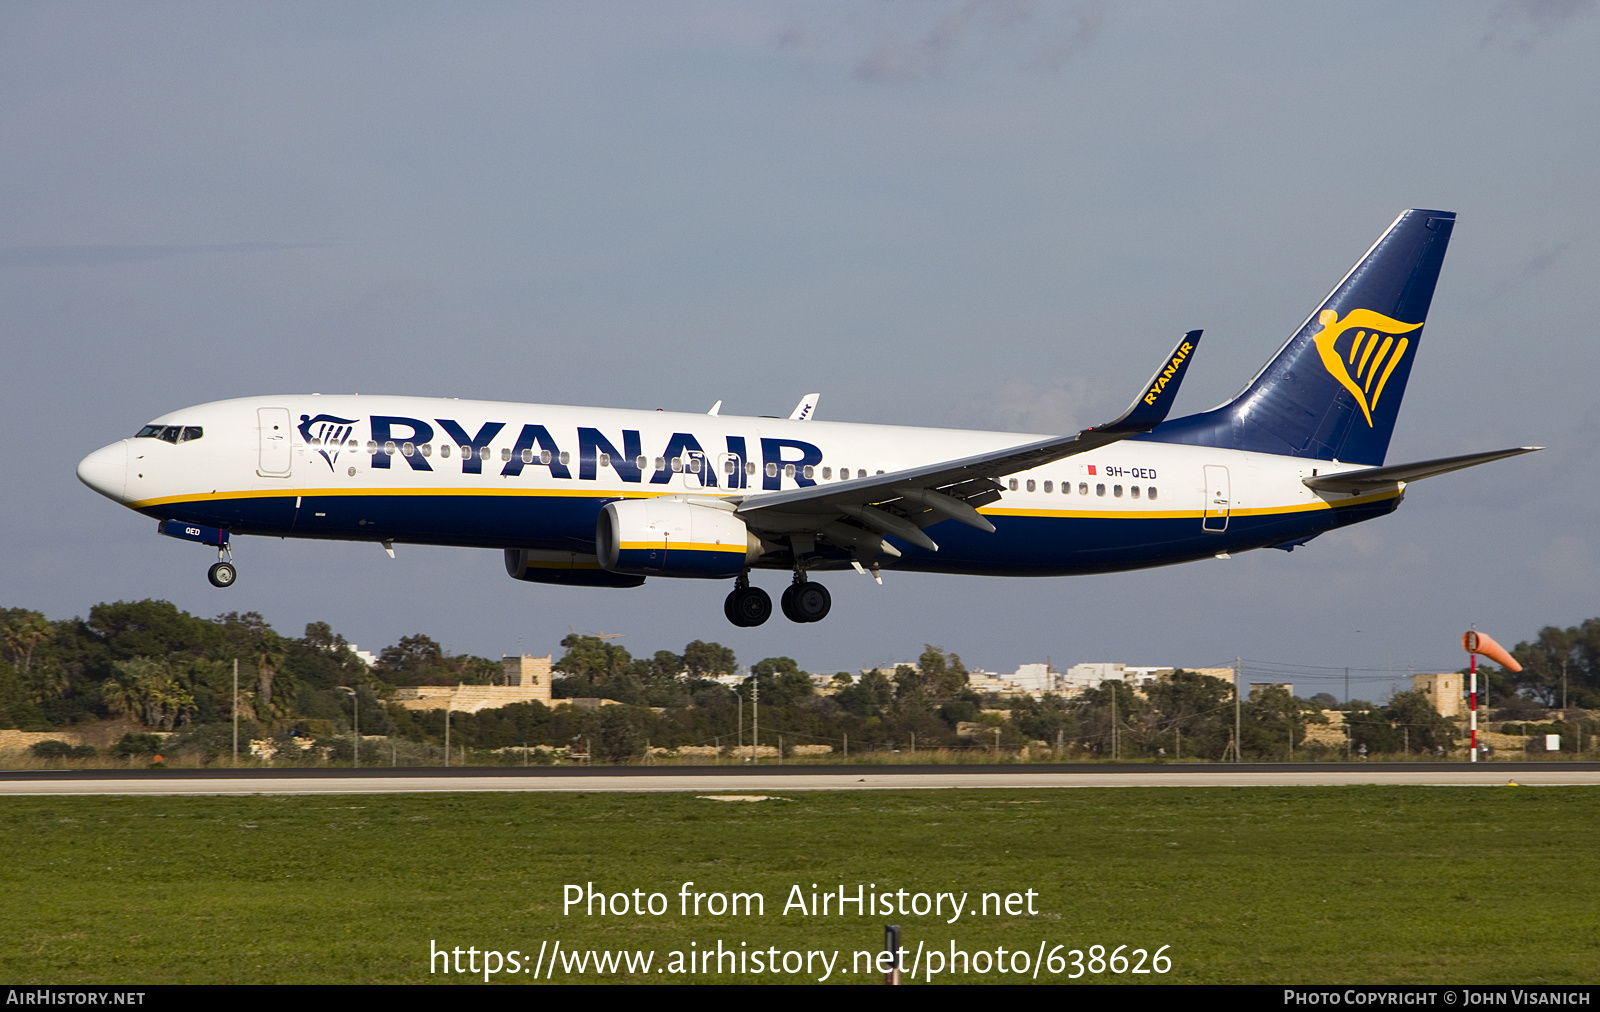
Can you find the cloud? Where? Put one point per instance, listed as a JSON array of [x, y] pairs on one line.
[[1514, 20], [1536, 265], [1057, 407], [906, 47], [73, 256]]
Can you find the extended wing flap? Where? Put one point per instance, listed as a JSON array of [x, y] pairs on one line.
[[968, 480], [1376, 477]]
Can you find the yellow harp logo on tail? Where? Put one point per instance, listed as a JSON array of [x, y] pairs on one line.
[[1375, 349]]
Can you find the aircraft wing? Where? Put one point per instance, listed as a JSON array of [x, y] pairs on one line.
[[1377, 477], [856, 513]]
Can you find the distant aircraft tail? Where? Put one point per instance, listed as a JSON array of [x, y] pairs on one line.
[[1333, 391]]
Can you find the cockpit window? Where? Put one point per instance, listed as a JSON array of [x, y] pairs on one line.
[[171, 433]]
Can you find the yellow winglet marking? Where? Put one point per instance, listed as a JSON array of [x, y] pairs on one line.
[[1338, 366]]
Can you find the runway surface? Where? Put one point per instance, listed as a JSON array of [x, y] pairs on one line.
[[780, 779]]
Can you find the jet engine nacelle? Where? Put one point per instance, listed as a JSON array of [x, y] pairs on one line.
[[568, 569], [670, 537]]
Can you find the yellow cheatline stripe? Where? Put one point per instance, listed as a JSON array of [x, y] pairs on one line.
[[679, 546], [435, 492], [1134, 513], [1131, 512]]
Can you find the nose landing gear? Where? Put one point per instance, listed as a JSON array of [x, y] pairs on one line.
[[222, 573]]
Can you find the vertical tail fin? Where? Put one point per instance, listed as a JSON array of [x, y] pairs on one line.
[[1333, 391]]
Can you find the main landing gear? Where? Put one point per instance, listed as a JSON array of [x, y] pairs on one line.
[[747, 606], [804, 601]]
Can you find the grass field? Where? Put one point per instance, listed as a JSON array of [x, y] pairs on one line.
[[1256, 885]]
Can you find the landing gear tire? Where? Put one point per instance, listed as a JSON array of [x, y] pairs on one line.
[[222, 574], [747, 607], [806, 602]]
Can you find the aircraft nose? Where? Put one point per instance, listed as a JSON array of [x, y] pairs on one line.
[[106, 470]]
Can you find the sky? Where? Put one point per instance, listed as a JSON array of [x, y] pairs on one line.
[[988, 214]]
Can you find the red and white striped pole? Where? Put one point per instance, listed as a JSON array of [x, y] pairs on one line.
[[1476, 643], [1472, 695]]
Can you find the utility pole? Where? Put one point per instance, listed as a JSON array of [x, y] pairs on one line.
[[755, 718], [1113, 689], [1238, 754], [236, 711]]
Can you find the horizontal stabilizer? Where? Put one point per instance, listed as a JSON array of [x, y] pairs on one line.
[[1377, 477]]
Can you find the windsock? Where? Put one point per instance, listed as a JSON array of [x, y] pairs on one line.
[[1482, 644]]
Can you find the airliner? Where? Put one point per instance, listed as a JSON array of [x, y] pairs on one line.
[[601, 497]]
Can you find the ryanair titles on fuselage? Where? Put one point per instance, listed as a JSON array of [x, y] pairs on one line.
[[411, 440]]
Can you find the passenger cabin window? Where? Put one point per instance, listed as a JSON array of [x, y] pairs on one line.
[[505, 453], [1049, 487], [1150, 493], [527, 455], [1134, 491], [566, 456], [809, 471], [661, 463], [408, 449], [1030, 485], [1116, 490], [1083, 488], [444, 450], [1013, 484], [1099, 490], [427, 449], [772, 470], [641, 462], [388, 448], [677, 463], [788, 470], [827, 473], [605, 460]]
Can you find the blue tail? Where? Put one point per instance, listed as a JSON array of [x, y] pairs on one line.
[[1333, 392]]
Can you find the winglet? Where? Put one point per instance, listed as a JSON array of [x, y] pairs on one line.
[[805, 409], [1151, 407]]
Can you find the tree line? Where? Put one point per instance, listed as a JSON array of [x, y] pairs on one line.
[[156, 668]]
